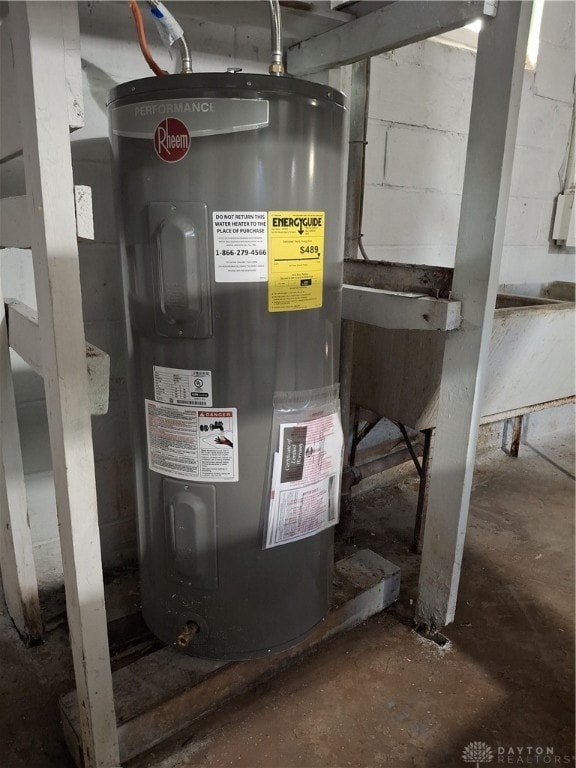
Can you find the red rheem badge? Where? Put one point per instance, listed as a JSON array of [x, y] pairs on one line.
[[171, 140]]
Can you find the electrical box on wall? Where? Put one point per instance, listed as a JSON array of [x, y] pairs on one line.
[[563, 230]]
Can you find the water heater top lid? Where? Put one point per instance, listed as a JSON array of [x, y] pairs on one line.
[[219, 84]]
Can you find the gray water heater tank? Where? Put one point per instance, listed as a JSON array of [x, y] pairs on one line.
[[231, 208]]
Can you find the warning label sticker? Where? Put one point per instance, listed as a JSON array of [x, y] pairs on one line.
[[240, 246], [191, 443], [182, 387], [295, 260]]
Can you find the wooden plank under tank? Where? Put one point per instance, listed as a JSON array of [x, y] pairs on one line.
[[165, 692]]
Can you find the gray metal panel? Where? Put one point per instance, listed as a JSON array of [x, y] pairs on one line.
[[219, 85], [266, 599], [191, 544], [183, 305], [393, 26]]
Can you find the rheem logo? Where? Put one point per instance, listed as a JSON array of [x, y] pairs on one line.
[[171, 140]]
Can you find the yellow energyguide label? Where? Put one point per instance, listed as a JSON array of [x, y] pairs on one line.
[[295, 260]]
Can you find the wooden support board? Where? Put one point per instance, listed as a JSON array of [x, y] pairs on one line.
[[165, 692], [16, 553], [24, 338], [497, 91], [15, 224], [42, 44], [11, 135], [395, 310], [388, 28]]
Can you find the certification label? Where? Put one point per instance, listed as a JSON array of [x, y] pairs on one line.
[[191, 443], [295, 260], [182, 387], [240, 246], [306, 475]]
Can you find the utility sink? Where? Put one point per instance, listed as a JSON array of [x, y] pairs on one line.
[[396, 372]]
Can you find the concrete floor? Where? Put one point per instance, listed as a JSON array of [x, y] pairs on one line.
[[381, 695]]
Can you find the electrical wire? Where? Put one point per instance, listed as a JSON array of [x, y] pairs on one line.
[[142, 40], [171, 32], [363, 164]]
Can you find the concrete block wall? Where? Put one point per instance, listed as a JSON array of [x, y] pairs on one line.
[[419, 112]]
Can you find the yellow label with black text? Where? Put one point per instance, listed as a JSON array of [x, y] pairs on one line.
[[295, 260]]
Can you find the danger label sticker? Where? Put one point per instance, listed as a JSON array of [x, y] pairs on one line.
[[295, 260], [240, 246], [191, 443]]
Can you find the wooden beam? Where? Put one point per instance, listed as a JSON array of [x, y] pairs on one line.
[[15, 227], [84, 217], [394, 310], [73, 70], [24, 334], [10, 122], [98, 370], [41, 45], [19, 581], [395, 25], [497, 92], [24, 339]]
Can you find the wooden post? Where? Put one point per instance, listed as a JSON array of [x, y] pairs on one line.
[[42, 54], [16, 554], [491, 140]]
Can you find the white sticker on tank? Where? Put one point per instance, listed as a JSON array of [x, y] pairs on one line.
[[306, 476], [192, 443], [179, 386], [240, 246]]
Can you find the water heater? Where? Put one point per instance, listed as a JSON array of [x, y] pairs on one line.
[[230, 196]]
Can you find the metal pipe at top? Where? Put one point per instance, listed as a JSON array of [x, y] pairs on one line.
[[185, 56], [276, 63]]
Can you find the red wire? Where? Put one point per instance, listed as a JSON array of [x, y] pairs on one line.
[[142, 40]]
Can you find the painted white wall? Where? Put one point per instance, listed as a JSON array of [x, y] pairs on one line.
[[420, 101]]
